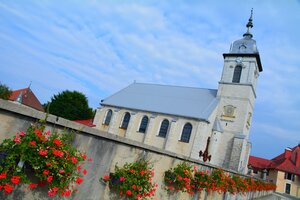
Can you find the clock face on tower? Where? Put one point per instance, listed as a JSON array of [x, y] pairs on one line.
[[229, 111], [239, 59]]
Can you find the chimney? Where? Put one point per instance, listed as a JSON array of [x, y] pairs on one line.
[[287, 153]]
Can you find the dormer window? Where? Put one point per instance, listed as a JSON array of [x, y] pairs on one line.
[[237, 74]]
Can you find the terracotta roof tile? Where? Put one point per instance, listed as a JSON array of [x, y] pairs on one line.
[[283, 162], [87, 122], [27, 98]]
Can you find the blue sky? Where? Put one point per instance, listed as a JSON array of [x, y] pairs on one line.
[[99, 47]]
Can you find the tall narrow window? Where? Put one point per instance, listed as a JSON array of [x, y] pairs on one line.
[[186, 132], [125, 121], [164, 128], [108, 117], [287, 188], [237, 74], [143, 125]]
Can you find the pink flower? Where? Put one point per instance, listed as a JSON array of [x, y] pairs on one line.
[[17, 140], [21, 133], [47, 132], [122, 178], [90, 159], [78, 168], [61, 171], [43, 152]]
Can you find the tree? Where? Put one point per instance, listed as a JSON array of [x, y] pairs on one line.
[[5, 92], [71, 105]]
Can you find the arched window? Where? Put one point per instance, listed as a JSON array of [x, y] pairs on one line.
[[143, 125], [186, 132], [164, 128], [108, 117], [237, 74], [125, 121]]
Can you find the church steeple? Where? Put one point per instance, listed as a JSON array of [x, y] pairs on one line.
[[249, 26]]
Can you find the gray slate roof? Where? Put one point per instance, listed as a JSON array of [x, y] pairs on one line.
[[189, 102]]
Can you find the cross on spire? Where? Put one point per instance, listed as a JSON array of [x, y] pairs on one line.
[[249, 26]]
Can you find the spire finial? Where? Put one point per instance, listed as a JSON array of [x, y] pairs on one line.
[[249, 25]]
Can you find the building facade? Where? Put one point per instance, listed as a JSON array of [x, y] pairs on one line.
[[208, 124], [283, 170]]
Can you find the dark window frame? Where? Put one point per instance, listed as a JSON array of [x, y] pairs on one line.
[[186, 132], [108, 117], [125, 121], [237, 74], [144, 124], [164, 128], [288, 188]]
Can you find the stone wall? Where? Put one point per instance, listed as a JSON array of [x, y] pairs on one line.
[[106, 150]]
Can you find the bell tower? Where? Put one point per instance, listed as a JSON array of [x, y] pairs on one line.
[[237, 94]]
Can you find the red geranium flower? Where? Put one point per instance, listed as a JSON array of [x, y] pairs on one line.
[[33, 185], [46, 172], [74, 160], [15, 179], [106, 177], [66, 193], [128, 192], [79, 180], [57, 142], [32, 143], [58, 153], [43, 152], [84, 171], [8, 188], [17, 140], [3, 175], [49, 179], [21, 133]]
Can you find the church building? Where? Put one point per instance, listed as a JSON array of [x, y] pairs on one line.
[[211, 125]]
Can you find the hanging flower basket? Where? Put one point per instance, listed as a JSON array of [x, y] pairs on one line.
[[49, 156], [133, 180]]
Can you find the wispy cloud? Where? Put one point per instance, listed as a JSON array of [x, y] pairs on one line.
[[99, 47]]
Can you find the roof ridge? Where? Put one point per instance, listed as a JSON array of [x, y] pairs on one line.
[[182, 86]]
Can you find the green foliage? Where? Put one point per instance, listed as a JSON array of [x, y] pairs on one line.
[[5, 92], [133, 180], [180, 178], [71, 105], [185, 179], [54, 161]]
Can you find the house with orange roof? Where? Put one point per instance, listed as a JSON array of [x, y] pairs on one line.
[[283, 170], [26, 97]]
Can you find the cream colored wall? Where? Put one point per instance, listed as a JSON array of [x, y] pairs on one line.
[[281, 182], [170, 143]]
